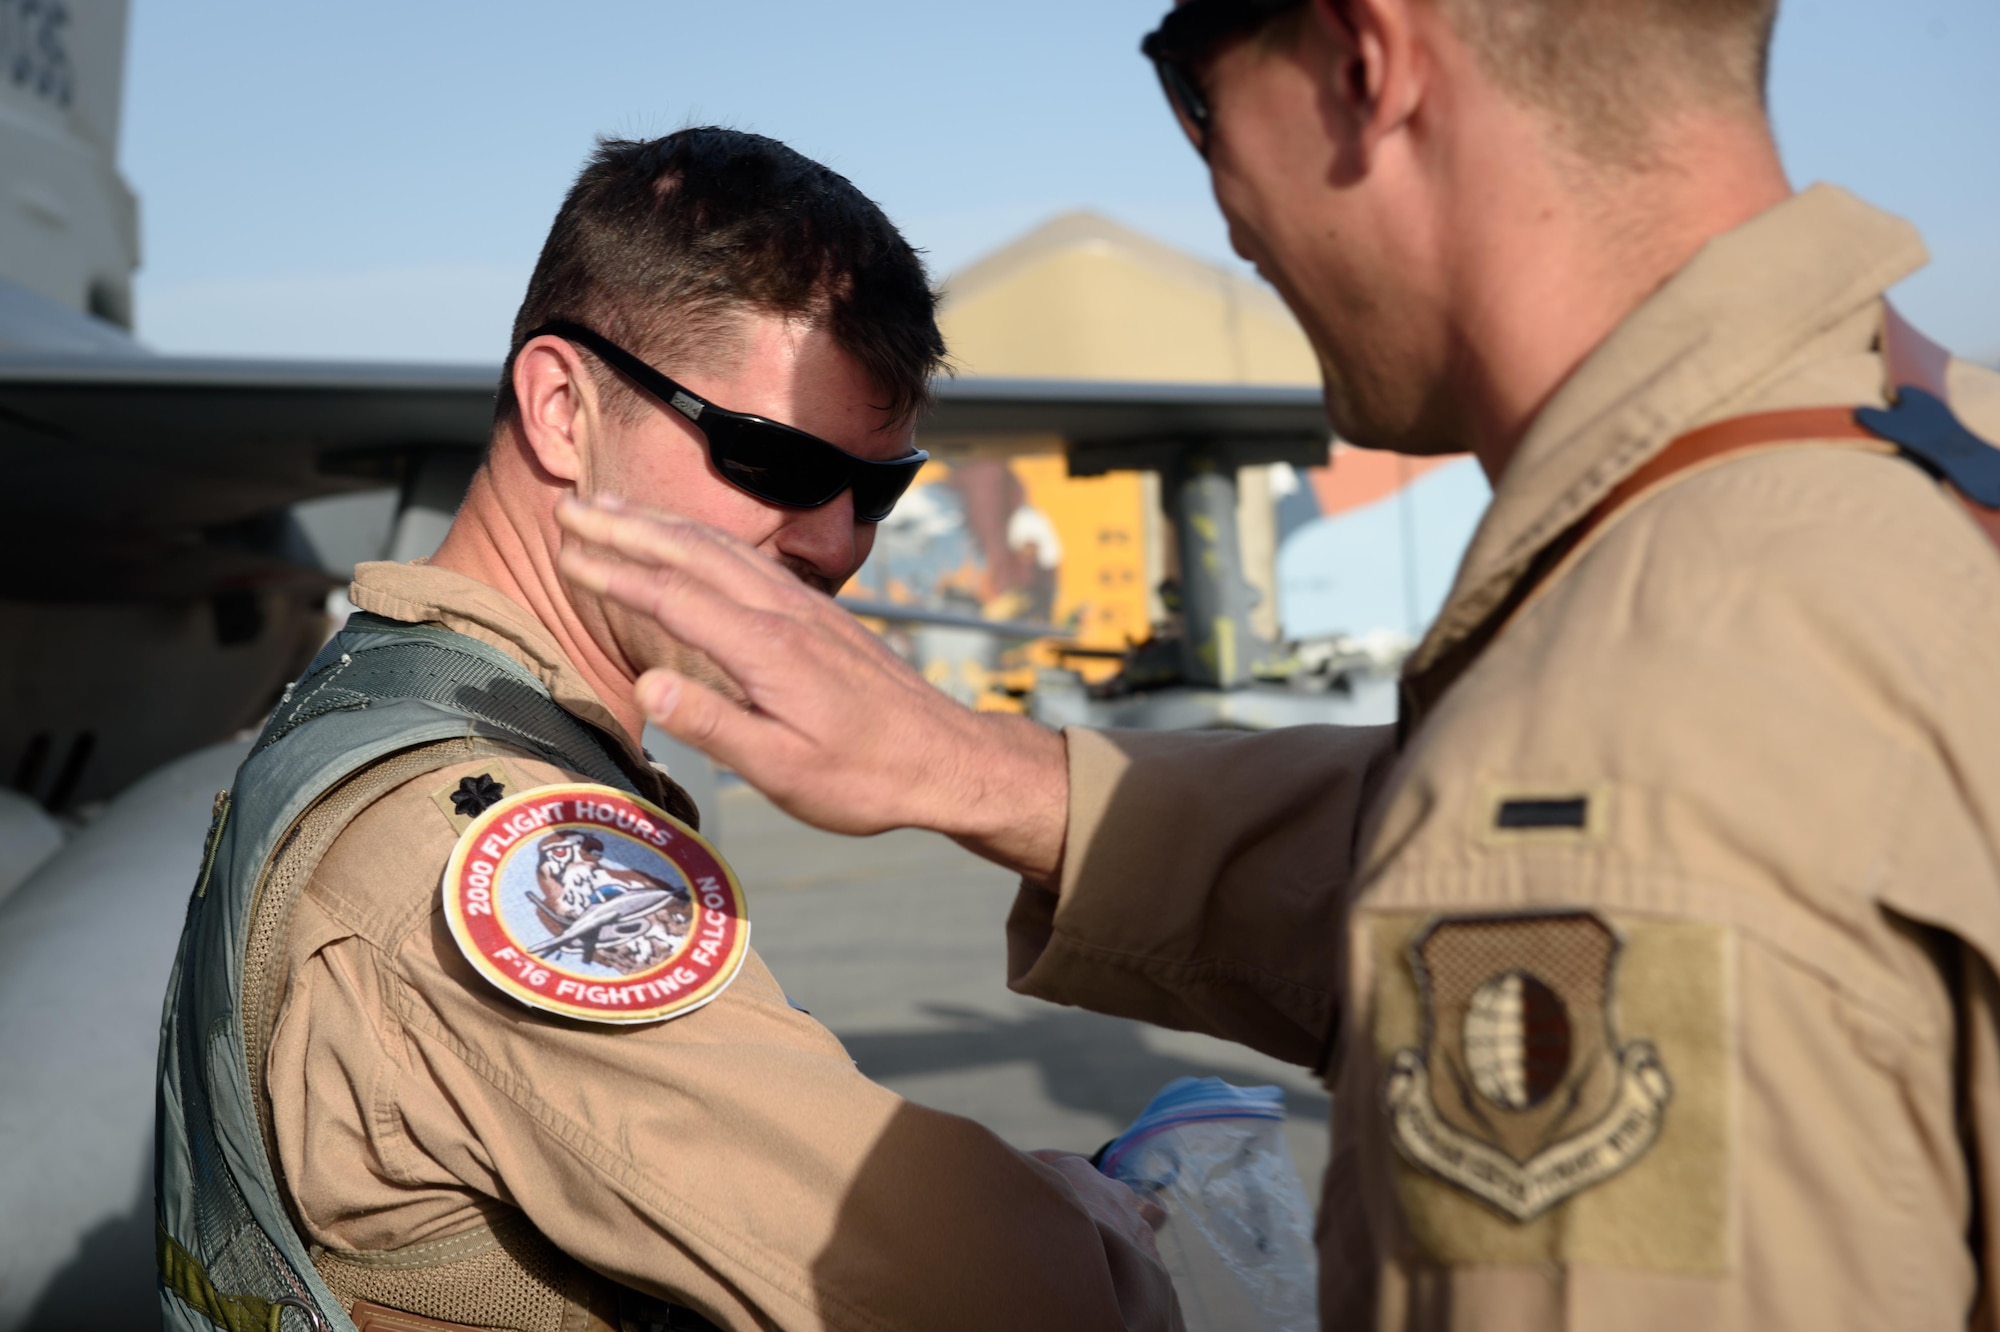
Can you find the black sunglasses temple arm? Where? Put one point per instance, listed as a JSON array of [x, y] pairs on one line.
[[625, 363], [900, 471]]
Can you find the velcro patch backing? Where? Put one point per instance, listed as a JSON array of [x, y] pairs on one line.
[[1558, 1087]]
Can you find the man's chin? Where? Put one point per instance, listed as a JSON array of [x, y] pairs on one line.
[[1408, 447], [1371, 426]]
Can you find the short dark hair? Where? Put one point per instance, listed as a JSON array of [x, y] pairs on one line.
[[1608, 69], [660, 244]]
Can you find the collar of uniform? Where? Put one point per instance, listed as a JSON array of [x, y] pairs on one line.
[[425, 594], [1712, 342]]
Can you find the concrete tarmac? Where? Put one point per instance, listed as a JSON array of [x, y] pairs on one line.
[[897, 944]]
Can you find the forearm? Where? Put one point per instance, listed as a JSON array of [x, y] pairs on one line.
[[1205, 881], [1013, 805]]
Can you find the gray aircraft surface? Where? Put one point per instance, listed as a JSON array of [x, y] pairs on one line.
[[173, 534]]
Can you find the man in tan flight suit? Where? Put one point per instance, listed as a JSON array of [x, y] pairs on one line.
[[1653, 962], [454, 1155]]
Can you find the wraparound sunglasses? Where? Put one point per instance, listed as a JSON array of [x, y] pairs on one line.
[[768, 459], [1189, 36]]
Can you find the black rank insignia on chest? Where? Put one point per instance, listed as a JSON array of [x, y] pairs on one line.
[[477, 794], [1522, 1094]]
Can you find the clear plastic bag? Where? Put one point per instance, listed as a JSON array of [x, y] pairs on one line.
[[1238, 1234]]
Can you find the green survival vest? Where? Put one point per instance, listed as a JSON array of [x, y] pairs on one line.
[[368, 715]]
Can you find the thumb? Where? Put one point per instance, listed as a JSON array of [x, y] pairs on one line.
[[691, 712]]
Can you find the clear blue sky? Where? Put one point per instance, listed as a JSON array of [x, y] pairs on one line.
[[372, 179]]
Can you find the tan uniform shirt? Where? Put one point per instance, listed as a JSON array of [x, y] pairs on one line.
[[731, 1158], [1655, 975]]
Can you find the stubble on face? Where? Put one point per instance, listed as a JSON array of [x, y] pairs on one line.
[[1385, 391]]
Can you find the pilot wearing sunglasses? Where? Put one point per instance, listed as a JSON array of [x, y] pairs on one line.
[[1653, 958], [428, 1133]]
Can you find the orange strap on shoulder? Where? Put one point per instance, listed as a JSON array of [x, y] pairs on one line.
[[1910, 360], [1737, 434]]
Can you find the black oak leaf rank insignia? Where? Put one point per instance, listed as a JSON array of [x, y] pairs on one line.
[[477, 794]]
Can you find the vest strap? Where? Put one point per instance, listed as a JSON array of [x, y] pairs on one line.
[[384, 695], [182, 1273], [1716, 443], [1918, 425], [451, 672]]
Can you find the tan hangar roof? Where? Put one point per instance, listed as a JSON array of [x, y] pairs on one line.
[[1084, 297]]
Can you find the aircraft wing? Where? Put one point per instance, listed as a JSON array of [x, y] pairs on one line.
[[186, 439], [149, 474], [144, 475]]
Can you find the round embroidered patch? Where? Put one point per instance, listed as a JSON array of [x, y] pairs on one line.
[[587, 901]]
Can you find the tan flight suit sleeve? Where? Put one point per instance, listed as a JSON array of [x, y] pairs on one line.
[[732, 1158], [1204, 876]]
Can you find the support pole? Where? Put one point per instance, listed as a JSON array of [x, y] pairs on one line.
[[1221, 648]]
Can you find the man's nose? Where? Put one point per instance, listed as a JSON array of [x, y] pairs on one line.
[[826, 538]]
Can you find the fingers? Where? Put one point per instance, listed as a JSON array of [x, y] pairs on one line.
[[736, 636], [1153, 1214], [696, 715], [657, 539], [699, 554], [1150, 1211], [841, 732], [657, 693], [1110, 1202]]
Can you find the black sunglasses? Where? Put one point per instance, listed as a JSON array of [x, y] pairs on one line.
[[1188, 37], [765, 458]]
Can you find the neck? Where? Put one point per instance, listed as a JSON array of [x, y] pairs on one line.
[[1568, 251], [511, 546]]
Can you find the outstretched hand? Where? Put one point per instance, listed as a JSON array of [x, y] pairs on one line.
[[838, 730]]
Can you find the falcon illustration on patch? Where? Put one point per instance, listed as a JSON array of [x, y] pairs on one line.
[[1521, 1094], [587, 901]]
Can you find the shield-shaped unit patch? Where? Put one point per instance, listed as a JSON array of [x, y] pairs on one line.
[[1521, 1093]]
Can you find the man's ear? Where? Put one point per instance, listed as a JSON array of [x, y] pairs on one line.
[[1378, 63], [558, 405]]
